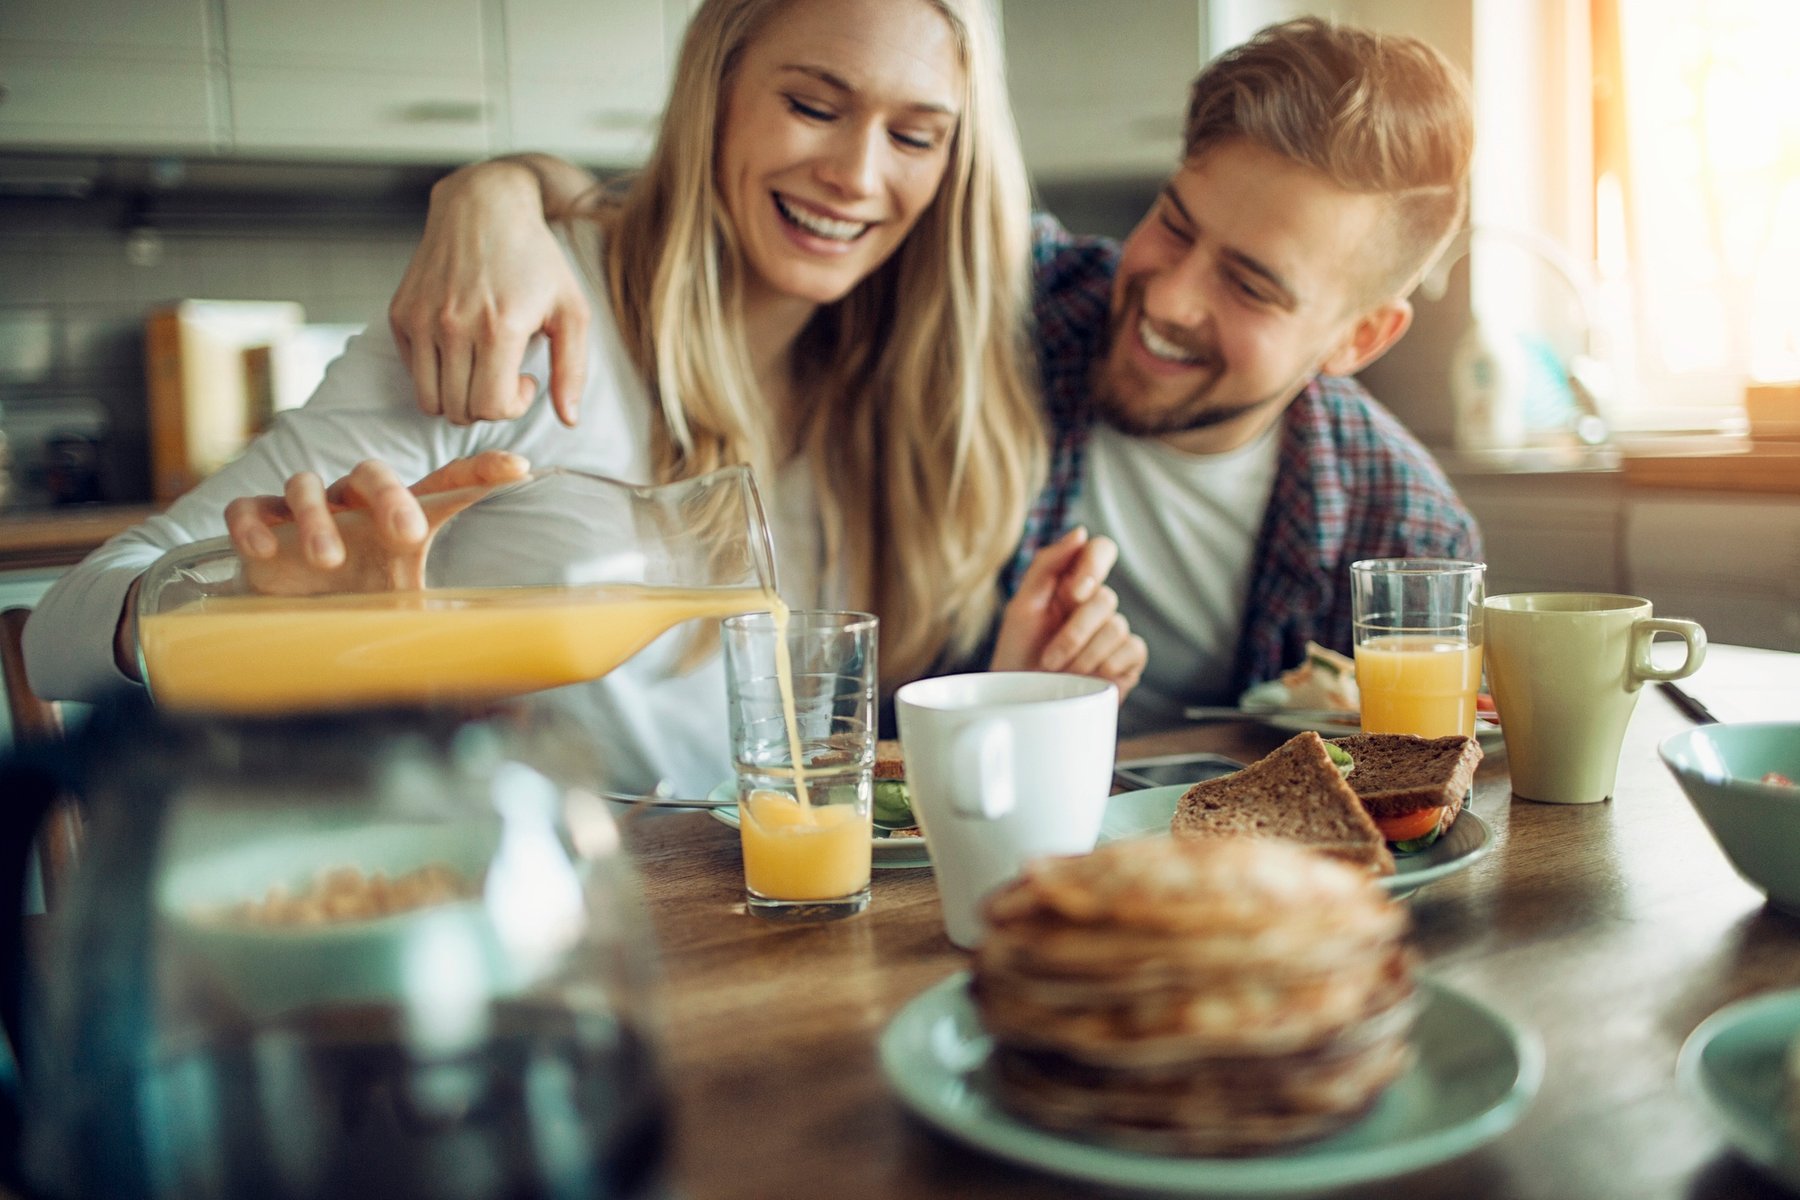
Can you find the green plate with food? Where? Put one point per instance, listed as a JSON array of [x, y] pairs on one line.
[[898, 843]]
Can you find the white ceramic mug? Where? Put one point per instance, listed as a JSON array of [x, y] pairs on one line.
[[1002, 768], [1566, 668]]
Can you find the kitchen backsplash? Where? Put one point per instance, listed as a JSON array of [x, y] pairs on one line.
[[75, 289]]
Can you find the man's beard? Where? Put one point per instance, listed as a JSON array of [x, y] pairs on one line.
[[1188, 413]]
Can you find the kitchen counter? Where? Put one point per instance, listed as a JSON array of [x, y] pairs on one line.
[[1528, 460], [60, 537], [1692, 463]]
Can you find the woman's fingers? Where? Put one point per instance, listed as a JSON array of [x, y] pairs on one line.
[[488, 467], [1087, 570], [250, 520], [1068, 645], [311, 513], [1125, 666], [392, 508], [1045, 572]]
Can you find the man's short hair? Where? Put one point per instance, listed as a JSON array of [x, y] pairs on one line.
[[1373, 112]]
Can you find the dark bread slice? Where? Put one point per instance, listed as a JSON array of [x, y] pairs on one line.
[[1294, 793], [1396, 774], [888, 762]]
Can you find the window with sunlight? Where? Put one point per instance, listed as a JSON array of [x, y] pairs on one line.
[[1696, 220]]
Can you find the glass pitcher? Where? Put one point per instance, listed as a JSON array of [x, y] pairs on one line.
[[553, 580], [393, 954]]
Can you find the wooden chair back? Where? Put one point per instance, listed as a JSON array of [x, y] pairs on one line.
[[35, 719]]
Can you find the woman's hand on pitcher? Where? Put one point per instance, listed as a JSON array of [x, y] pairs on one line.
[[367, 532]]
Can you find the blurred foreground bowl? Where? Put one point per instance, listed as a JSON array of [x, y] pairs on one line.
[[1757, 824], [449, 946]]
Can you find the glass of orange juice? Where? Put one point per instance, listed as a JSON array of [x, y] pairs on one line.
[[800, 687], [1418, 644]]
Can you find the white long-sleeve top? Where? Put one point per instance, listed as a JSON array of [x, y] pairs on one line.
[[653, 724]]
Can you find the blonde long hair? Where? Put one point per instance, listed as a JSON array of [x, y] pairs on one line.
[[928, 445]]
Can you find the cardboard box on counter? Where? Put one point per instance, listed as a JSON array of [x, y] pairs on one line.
[[202, 410], [1774, 411]]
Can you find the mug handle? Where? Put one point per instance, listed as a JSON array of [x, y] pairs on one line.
[[1643, 634], [981, 770]]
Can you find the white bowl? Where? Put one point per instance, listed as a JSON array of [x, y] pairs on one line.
[[449, 947]]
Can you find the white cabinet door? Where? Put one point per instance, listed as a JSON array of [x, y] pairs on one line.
[[109, 74], [586, 79], [395, 80], [1099, 86]]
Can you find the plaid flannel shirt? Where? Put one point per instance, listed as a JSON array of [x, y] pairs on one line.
[[1351, 482]]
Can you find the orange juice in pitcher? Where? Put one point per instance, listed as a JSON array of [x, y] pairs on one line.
[[553, 580], [282, 653]]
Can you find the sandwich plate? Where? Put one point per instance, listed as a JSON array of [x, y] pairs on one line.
[[1735, 1064], [892, 853], [1474, 1076], [1133, 814], [1265, 702]]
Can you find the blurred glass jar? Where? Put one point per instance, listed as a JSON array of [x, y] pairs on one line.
[[389, 954]]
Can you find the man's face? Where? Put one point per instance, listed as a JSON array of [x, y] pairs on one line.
[[1239, 285]]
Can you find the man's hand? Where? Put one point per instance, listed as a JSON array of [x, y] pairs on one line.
[[368, 532], [488, 275], [1064, 618]]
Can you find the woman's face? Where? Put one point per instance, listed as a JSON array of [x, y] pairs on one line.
[[836, 133]]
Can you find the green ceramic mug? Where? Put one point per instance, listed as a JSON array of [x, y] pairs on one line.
[[1566, 669]]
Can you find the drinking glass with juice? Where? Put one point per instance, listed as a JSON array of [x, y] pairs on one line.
[[1418, 644], [800, 688]]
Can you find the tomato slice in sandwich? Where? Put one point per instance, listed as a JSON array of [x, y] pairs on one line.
[[1411, 826]]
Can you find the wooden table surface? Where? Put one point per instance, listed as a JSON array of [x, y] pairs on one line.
[[1611, 929]]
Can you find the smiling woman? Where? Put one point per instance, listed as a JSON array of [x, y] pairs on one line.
[[836, 138], [821, 273]]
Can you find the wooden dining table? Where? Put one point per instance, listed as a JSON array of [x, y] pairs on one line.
[[1611, 930]]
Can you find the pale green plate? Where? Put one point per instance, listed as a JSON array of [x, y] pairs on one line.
[[891, 853], [1130, 814], [1733, 1063], [1475, 1075], [1264, 702]]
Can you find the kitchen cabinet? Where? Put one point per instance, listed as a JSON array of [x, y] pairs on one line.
[[399, 80], [430, 81], [1549, 531], [102, 74], [1099, 90], [1729, 561], [586, 79]]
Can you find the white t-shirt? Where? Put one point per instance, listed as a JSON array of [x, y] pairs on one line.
[[652, 723], [1187, 527]]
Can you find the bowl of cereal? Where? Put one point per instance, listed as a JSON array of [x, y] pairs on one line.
[[300, 916], [1741, 779]]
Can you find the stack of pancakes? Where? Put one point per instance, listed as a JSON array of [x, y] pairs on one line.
[[1220, 996]]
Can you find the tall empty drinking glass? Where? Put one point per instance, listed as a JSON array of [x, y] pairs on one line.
[[1418, 644], [553, 580], [803, 740]]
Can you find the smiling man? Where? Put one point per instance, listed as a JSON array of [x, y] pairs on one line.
[[1197, 377]]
